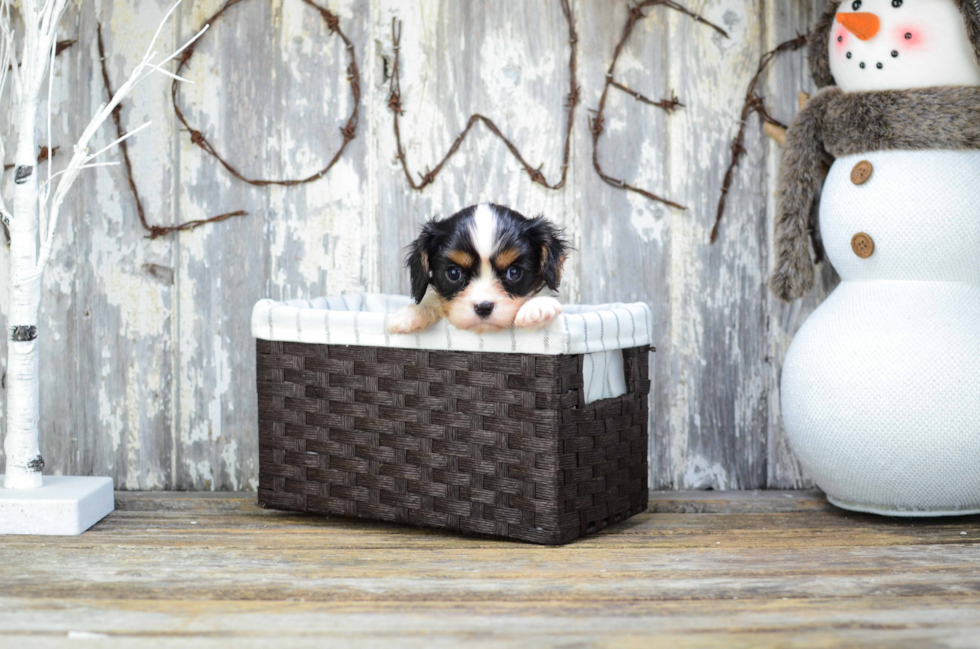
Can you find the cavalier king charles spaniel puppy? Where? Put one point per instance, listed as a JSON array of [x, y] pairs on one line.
[[484, 269]]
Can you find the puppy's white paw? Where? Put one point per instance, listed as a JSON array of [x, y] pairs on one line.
[[411, 319], [537, 313]]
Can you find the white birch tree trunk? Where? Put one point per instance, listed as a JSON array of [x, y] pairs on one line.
[[31, 202], [21, 442], [24, 462]]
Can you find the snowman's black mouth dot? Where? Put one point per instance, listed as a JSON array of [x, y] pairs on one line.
[[881, 65], [848, 55], [840, 39], [908, 36], [862, 65], [894, 54]]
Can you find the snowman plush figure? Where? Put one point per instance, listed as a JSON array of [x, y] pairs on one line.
[[881, 386]]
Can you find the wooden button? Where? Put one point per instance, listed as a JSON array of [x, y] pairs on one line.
[[863, 245], [861, 173]]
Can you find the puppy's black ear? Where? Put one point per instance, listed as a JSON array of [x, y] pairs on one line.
[[417, 259], [543, 235]]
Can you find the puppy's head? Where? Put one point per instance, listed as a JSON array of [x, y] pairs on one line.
[[483, 263]]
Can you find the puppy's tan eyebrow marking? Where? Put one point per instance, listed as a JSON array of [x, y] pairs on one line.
[[461, 257], [506, 257]]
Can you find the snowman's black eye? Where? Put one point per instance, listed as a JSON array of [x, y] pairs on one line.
[[896, 3], [856, 5]]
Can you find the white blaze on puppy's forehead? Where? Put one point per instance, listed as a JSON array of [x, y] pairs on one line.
[[484, 287], [483, 230]]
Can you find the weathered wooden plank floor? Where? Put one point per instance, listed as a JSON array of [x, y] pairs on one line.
[[728, 570]]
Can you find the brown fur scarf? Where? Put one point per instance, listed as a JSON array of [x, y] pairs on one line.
[[850, 123]]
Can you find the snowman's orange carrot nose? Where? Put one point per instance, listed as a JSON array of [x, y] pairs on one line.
[[864, 25]]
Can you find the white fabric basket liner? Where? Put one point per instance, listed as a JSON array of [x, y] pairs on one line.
[[598, 331]]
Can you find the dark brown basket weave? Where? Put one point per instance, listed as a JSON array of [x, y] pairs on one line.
[[498, 444]]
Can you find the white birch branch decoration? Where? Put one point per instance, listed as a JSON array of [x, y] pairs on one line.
[[6, 58], [36, 208]]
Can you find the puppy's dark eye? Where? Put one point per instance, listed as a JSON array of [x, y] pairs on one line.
[[454, 274], [856, 5], [514, 273]]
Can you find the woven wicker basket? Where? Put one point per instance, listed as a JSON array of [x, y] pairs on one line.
[[527, 446], [498, 444]]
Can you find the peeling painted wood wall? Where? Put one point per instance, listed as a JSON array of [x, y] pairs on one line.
[[147, 361]]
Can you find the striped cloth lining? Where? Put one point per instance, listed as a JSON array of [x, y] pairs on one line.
[[604, 374], [361, 319]]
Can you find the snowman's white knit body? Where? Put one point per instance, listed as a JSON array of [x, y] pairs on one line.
[[881, 386]]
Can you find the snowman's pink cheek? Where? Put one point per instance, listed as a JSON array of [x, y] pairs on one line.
[[908, 38], [841, 39]]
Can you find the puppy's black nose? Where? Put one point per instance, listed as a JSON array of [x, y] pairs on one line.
[[483, 309]]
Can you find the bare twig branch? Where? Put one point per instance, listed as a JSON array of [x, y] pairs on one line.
[[154, 230], [426, 179], [6, 54], [81, 157], [63, 45], [753, 104], [348, 132], [668, 105], [13, 66], [597, 122]]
